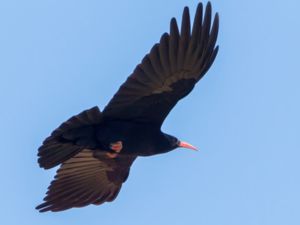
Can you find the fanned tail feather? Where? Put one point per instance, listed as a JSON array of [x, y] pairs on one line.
[[67, 140]]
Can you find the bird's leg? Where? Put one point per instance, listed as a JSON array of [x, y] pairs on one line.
[[116, 147]]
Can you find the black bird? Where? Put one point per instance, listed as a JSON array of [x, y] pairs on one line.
[[96, 149]]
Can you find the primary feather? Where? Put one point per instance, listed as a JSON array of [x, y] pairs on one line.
[[169, 72]]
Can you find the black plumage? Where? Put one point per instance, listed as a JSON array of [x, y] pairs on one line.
[[96, 149]]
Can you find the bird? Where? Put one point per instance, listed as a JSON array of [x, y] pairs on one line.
[[95, 150]]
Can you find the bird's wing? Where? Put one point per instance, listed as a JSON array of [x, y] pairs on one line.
[[87, 178], [169, 72]]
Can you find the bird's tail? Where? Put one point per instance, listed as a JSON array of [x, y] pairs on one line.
[[69, 138]]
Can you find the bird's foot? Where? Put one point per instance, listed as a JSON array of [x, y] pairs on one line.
[[116, 147]]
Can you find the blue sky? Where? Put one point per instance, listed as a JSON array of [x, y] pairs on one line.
[[61, 57]]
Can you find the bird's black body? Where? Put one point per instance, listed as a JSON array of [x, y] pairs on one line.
[[139, 138], [95, 150]]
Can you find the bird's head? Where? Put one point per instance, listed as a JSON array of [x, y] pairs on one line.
[[174, 142]]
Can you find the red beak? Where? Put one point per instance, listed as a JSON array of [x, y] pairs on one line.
[[183, 144]]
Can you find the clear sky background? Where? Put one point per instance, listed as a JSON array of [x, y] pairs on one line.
[[58, 58]]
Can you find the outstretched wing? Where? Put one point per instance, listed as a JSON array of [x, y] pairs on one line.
[[169, 72], [87, 178]]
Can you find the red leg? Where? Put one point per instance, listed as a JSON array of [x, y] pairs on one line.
[[116, 146]]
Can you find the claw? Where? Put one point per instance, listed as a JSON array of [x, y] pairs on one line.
[[116, 146]]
